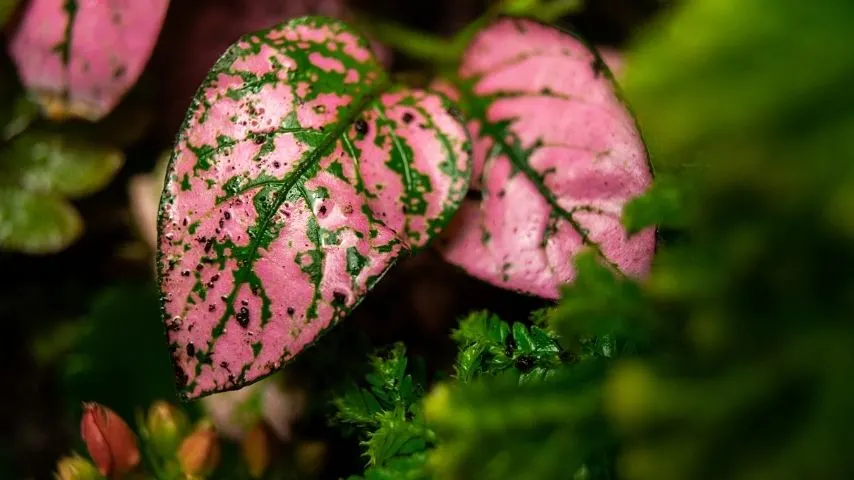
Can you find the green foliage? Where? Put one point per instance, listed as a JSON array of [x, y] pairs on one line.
[[490, 346], [495, 428], [92, 358], [668, 203], [751, 318], [552, 425], [6, 9], [38, 171], [731, 360], [389, 410]]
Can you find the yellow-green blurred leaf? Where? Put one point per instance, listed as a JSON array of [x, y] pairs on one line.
[[53, 163], [36, 223], [6, 9]]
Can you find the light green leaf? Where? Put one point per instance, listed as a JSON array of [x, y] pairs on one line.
[[52, 163], [36, 223]]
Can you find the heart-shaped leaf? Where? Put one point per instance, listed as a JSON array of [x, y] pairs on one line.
[[556, 156], [80, 57], [299, 176]]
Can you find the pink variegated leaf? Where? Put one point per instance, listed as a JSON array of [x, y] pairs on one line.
[[556, 157], [300, 175], [79, 57], [196, 33]]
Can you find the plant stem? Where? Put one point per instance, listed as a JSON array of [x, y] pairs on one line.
[[438, 50], [420, 45]]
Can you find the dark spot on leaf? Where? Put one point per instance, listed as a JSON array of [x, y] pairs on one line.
[[566, 356], [215, 277], [221, 223], [184, 222], [361, 127], [185, 273], [291, 311], [501, 193], [227, 215], [243, 317], [525, 363], [276, 164], [509, 346], [407, 117], [598, 66], [119, 71], [320, 108], [223, 364], [223, 298], [322, 210], [180, 376], [546, 91], [208, 245], [422, 126], [244, 302], [211, 307], [191, 349], [454, 112], [348, 209]]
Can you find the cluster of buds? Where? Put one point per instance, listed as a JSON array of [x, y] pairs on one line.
[[177, 450]]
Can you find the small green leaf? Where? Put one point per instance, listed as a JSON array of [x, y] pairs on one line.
[[36, 223], [52, 163], [665, 204]]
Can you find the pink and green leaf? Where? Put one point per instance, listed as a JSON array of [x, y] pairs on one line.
[[556, 157], [78, 58], [300, 175]]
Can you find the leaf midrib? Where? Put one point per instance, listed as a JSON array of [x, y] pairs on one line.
[[281, 196]]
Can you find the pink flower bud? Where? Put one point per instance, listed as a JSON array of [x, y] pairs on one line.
[[110, 442]]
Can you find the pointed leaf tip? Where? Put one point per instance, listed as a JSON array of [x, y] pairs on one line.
[[298, 178], [556, 156]]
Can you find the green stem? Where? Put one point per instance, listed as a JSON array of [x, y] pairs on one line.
[[442, 51], [419, 45]]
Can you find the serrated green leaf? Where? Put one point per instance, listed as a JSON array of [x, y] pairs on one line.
[[53, 163], [357, 406], [36, 223], [394, 437], [494, 427]]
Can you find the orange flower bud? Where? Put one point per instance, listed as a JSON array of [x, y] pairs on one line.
[[75, 468], [110, 442], [256, 450], [199, 452]]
